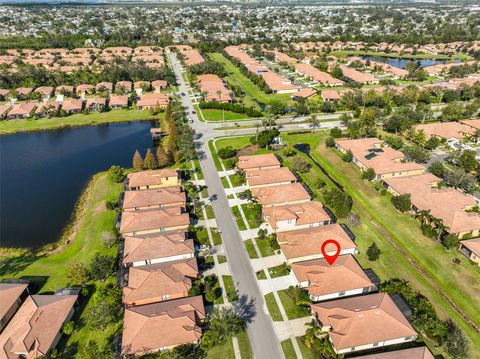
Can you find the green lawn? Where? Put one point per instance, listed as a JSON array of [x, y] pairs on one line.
[[261, 275], [264, 248], [209, 211], [216, 237], [225, 182], [293, 311], [250, 216], [460, 283], [238, 217], [288, 351], [244, 345], [202, 235], [248, 86], [94, 118], [306, 353], [279, 271], [273, 308], [224, 351], [250, 249], [87, 242], [237, 180], [219, 115], [221, 259], [216, 159], [230, 288]]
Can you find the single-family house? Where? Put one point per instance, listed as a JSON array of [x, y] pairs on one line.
[[411, 353], [104, 87], [213, 88], [123, 87], [152, 221], [153, 100], [447, 204], [358, 76], [456, 131], [258, 162], [344, 278], [384, 160], [118, 101], [140, 86], [160, 248], [166, 177], [281, 195], [4, 93], [22, 110], [95, 103], [159, 282], [4, 110], [154, 198], [45, 91], [471, 248], [330, 95], [84, 89], [269, 177], [65, 90], [47, 108], [305, 244], [314, 74], [364, 322], [158, 85], [72, 106], [23, 92], [304, 93], [162, 326], [12, 296], [298, 216], [36, 328]]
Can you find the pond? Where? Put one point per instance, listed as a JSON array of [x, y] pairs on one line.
[[42, 175], [401, 63]]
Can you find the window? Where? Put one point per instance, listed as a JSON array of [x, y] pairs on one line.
[[341, 294], [353, 348], [375, 344], [165, 297]]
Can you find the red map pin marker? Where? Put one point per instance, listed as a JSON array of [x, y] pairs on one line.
[[330, 258]]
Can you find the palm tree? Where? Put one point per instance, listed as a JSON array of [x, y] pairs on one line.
[[438, 224], [314, 122], [424, 216], [311, 333]]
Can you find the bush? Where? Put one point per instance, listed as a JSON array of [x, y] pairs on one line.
[[348, 156], [288, 151], [300, 164], [77, 274], [223, 324], [403, 202], [373, 252], [264, 138], [336, 132], [368, 174], [116, 174], [227, 152], [450, 241], [318, 182], [330, 142], [101, 267], [340, 202]]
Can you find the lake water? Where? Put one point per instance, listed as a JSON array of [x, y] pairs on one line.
[[42, 175], [401, 63]]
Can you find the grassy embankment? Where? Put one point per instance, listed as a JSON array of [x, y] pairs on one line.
[[93, 118], [49, 272], [377, 217]]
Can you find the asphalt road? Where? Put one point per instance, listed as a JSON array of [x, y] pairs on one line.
[[262, 335]]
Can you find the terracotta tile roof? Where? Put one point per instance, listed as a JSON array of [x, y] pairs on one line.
[[305, 93], [141, 84], [191, 56], [153, 99], [304, 213], [4, 109], [24, 91], [95, 101], [357, 76], [447, 204], [9, 293], [138, 249], [166, 196], [269, 176], [472, 123], [148, 328], [126, 85], [45, 90], [214, 88], [153, 219], [308, 242], [362, 320], [151, 178], [372, 153], [282, 194], [317, 75], [330, 95], [118, 101], [106, 85], [150, 283], [281, 57], [344, 275], [473, 245], [159, 84], [47, 106], [72, 105], [23, 108], [84, 88], [34, 327], [277, 82], [446, 130], [258, 161], [412, 353]]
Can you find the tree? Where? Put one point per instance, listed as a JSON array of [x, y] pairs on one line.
[[137, 161], [109, 239], [101, 266], [368, 174], [437, 168], [468, 161], [330, 142], [337, 72], [455, 341], [336, 132], [340, 202], [77, 274], [450, 241], [396, 142], [116, 174], [226, 152], [107, 307], [150, 161], [373, 252], [68, 328], [348, 156], [402, 202], [223, 324], [416, 153], [300, 164], [162, 158]]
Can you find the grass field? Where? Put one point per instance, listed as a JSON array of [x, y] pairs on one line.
[[273, 308], [87, 242], [94, 118], [219, 115], [293, 311], [377, 215], [244, 345], [250, 249], [250, 216], [248, 86], [224, 351], [230, 288], [288, 351], [264, 248]]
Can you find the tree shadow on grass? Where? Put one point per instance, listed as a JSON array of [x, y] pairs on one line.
[[11, 266]]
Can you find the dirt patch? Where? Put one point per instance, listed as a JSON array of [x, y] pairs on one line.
[[248, 150]]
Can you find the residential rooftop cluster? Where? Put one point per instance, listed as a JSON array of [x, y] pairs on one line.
[[160, 265], [345, 302]]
